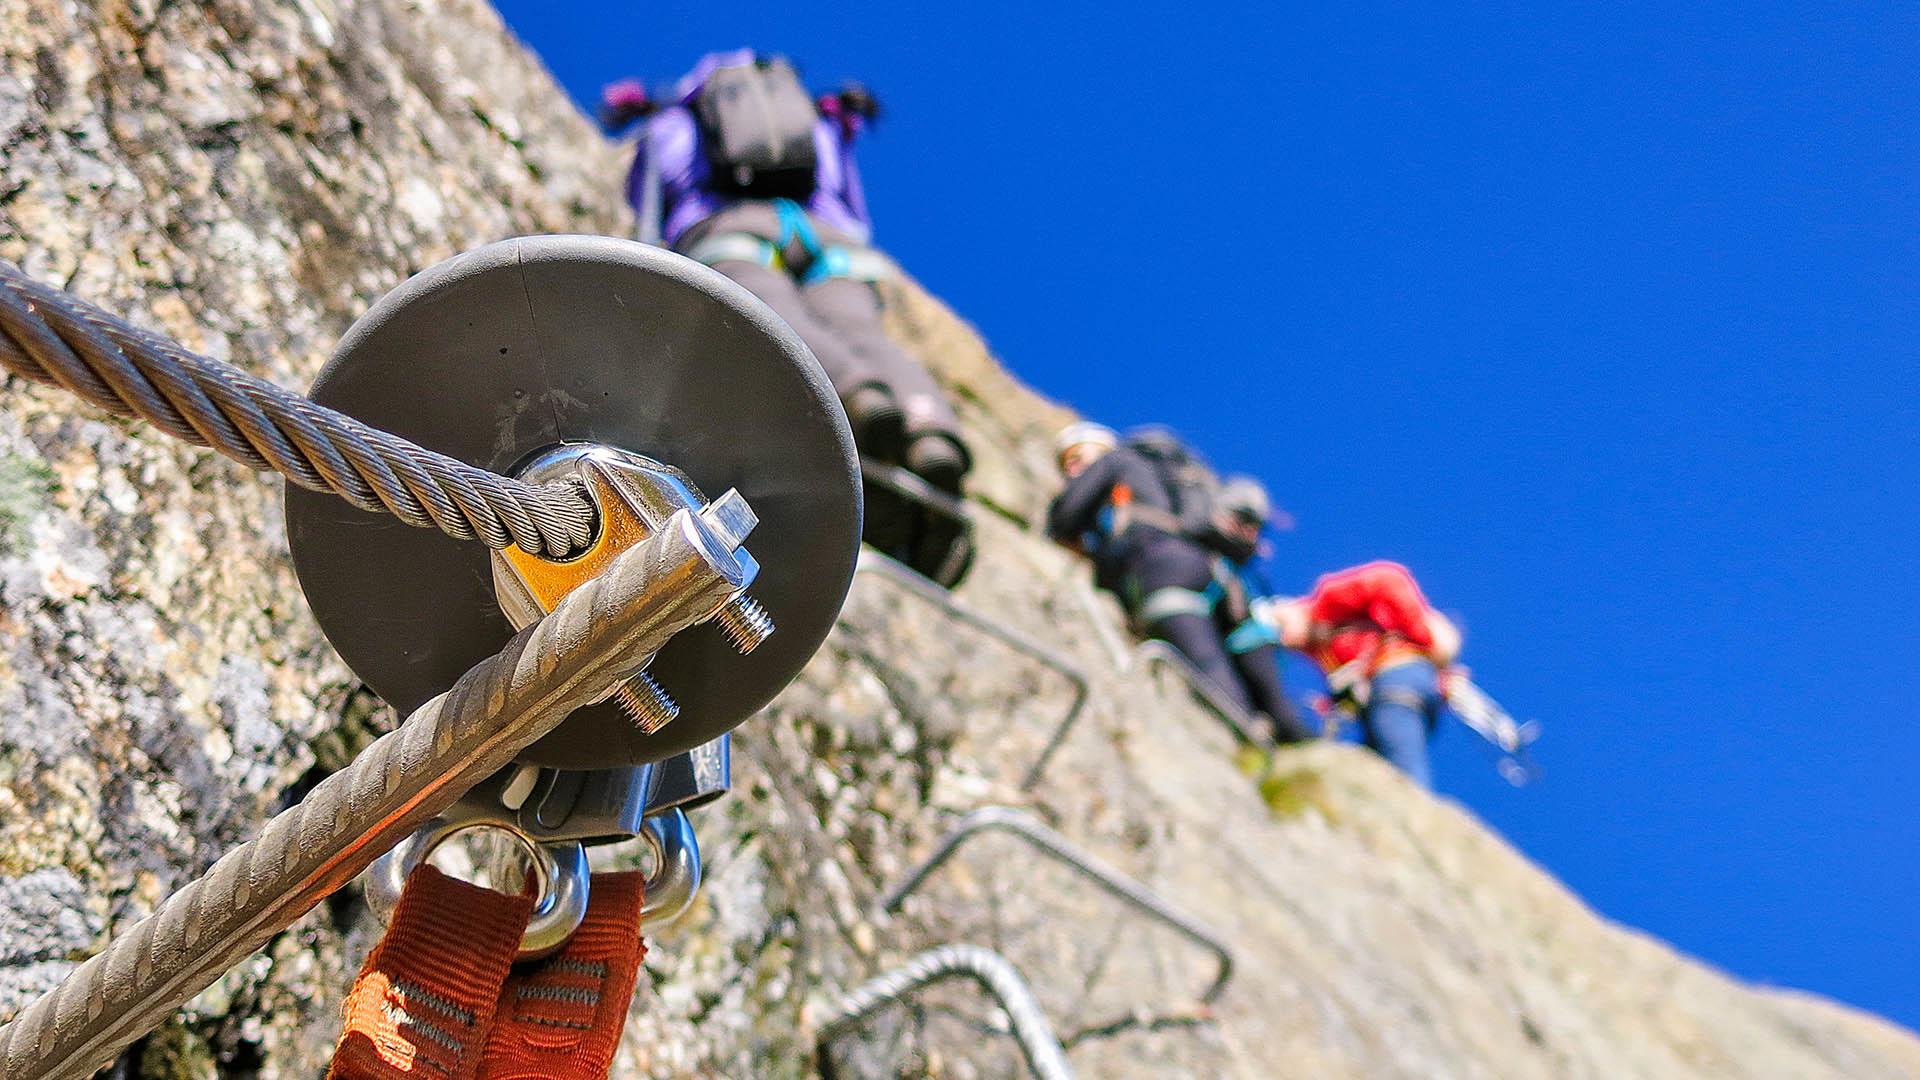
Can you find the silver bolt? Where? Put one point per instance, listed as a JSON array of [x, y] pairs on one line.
[[745, 623], [646, 703]]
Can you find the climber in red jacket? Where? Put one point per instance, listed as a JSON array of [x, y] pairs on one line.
[[1384, 649]]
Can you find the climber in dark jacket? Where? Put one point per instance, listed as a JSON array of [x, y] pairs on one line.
[[1170, 586], [809, 257]]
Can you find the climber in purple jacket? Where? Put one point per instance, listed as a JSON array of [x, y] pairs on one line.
[[745, 172]]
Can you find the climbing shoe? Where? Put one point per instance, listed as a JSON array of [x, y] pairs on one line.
[[879, 425], [938, 460]]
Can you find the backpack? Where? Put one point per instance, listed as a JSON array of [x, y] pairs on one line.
[[756, 126], [1190, 482]]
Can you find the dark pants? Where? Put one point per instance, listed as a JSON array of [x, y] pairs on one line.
[[1259, 669], [838, 318], [1199, 642], [1250, 680]]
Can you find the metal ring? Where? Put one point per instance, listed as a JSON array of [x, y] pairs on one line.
[[676, 871], [560, 881]]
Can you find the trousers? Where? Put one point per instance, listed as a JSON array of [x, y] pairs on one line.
[[839, 317]]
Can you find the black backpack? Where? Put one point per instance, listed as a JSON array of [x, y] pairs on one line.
[[756, 126], [1190, 482]]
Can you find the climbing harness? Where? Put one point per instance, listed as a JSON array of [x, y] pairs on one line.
[[1225, 594], [798, 250], [1173, 601], [500, 396], [861, 264], [737, 247]]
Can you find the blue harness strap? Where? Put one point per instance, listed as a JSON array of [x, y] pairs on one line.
[[1251, 635], [795, 225], [824, 262], [833, 262]]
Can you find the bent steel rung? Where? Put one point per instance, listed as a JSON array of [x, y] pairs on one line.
[[989, 970], [873, 562], [1126, 889], [1154, 651], [900, 484]]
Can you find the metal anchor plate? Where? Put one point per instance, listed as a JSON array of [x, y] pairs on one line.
[[518, 347]]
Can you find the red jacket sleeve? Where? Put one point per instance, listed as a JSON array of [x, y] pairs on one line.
[[1381, 593]]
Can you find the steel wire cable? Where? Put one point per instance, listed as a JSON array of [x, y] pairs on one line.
[[52, 337], [572, 657]]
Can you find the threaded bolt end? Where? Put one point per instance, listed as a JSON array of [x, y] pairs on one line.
[[745, 623], [646, 703]]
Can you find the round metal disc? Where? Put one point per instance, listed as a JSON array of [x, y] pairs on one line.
[[507, 350]]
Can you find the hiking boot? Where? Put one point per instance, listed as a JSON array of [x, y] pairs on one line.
[[938, 460], [879, 424]]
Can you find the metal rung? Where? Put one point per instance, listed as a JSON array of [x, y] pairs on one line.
[[1155, 651], [1019, 823], [989, 970], [931, 501], [873, 562]]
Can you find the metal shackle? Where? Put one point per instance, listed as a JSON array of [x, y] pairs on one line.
[[562, 878]]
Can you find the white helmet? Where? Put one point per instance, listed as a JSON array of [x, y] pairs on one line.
[[1084, 433], [1246, 497]]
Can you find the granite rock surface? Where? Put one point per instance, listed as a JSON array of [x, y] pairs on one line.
[[248, 176]]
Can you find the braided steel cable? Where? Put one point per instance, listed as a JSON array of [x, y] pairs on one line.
[[55, 338], [574, 656], [994, 974]]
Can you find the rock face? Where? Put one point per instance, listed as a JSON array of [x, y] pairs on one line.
[[248, 176]]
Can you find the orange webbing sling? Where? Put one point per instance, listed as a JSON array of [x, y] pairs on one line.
[[440, 996]]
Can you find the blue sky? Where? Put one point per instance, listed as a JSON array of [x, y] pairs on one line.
[[1603, 319]]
